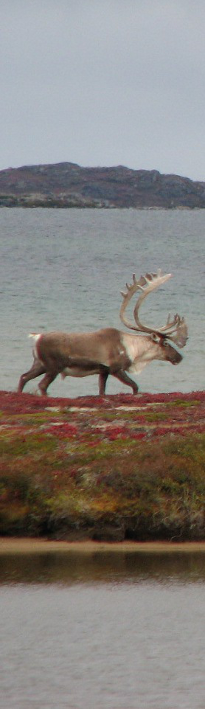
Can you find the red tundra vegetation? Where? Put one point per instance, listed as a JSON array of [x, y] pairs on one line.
[[112, 468]]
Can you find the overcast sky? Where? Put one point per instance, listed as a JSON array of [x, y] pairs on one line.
[[104, 82]]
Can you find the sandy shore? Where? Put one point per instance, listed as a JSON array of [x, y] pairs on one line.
[[13, 545]]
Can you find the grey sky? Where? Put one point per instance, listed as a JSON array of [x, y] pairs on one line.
[[104, 82]]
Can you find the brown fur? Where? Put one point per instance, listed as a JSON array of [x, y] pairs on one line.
[[104, 352]]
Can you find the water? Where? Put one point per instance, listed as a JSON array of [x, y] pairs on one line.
[[108, 630], [64, 269]]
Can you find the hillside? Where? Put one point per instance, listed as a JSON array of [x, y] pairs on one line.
[[69, 185]]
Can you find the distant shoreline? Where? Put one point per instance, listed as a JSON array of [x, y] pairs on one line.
[[66, 185], [40, 204]]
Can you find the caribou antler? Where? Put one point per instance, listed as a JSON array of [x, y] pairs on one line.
[[175, 329], [146, 284], [181, 332]]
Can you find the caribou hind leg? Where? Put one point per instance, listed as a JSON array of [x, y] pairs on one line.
[[35, 371], [44, 383]]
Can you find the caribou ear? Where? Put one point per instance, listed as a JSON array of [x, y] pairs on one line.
[[155, 337]]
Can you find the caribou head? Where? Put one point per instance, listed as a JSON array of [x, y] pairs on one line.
[[174, 330]]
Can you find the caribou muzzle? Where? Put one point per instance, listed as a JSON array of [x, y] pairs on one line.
[[173, 356], [178, 358]]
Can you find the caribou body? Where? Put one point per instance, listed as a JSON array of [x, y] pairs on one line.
[[108, 351]]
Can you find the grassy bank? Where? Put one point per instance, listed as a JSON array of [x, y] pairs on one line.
[[120, 468]]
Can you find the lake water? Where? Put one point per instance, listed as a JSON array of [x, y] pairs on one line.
[[64, 269], [102, 630]]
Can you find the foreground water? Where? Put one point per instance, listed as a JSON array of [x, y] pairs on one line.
[[110, 630], [64, 269]]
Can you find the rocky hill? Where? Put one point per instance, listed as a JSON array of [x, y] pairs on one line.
[[69, 185]]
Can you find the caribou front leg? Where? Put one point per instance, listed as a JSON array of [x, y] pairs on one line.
[[102, 381], [123, 377]]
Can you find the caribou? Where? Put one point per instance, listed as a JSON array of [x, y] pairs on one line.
[[109, 351]]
